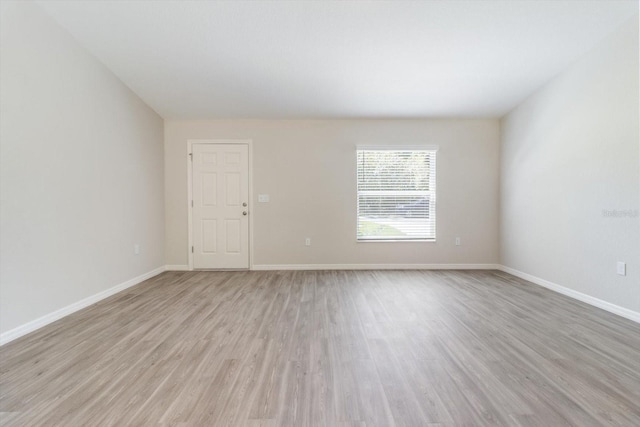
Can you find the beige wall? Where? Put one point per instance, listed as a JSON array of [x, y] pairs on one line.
[[308, 169], [568, 153], [81, 164]]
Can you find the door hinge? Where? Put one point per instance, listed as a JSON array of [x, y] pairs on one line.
[[192, 203], [191, 249]]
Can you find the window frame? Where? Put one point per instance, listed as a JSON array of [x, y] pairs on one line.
[[432, 198]]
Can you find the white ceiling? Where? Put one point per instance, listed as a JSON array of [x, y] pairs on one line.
[[307, 59]]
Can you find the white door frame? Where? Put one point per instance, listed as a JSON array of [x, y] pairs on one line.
[[190, 143]]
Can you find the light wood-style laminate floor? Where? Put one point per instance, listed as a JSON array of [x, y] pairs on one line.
[[327, 348]]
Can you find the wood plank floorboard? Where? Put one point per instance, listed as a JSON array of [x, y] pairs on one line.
[[327, 348]]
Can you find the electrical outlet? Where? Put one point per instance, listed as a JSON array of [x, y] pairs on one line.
[[621, 268], [136, 249], [457, 241], [307, 242]]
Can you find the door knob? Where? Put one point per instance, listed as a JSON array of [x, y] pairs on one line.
[[244, 204], [244, 212]]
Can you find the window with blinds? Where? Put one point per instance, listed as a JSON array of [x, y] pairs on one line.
[[396, 194]]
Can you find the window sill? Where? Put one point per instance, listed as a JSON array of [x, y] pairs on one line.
[[396, 240]]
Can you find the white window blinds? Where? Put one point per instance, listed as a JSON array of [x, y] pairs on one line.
[[396, 194]]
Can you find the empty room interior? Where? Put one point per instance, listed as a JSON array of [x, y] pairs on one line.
[[319, 213]]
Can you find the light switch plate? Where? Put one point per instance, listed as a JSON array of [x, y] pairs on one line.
[[263, 198], [621, 268]]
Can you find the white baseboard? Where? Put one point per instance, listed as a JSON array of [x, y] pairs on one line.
[[65, 311], [612, 308], [375, 267], [176, 267]]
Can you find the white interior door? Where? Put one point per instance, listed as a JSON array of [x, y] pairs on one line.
[[220, 213]]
